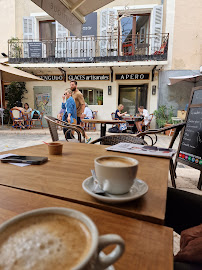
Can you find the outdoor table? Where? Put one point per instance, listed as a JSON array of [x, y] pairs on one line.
[[131, 120], [103, 124], [62, 177], [147, 245]]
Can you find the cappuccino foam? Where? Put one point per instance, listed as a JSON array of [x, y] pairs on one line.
[[48, 241], [115, 162]]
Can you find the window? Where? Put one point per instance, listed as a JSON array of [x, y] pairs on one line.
[[91, 95]]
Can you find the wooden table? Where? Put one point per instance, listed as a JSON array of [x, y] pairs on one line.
[[103, 124], [131, 121], [148, 246], [62, 176]]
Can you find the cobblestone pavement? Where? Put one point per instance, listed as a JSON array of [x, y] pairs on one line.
[[187, 177]]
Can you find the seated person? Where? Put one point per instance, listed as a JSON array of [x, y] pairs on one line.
[[118, 113], [60, 114], [27, 111], [142, 112], [87, 114]]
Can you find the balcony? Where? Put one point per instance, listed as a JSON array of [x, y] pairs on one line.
[[90, 49]]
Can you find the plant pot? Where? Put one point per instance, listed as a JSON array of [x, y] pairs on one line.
[[169, 132], [99, 102]]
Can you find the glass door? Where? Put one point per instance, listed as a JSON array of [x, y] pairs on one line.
[[132, 96]]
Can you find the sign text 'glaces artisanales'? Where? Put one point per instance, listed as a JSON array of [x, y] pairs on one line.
[[88, 77], [133, 76]]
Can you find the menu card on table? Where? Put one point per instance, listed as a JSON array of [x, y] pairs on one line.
[[142, 150]]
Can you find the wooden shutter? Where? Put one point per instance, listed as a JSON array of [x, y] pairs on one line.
[[61, 40], [103, 32], [28, 33], [156, 28]]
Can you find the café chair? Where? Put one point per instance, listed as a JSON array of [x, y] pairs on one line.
[[114, 139], [17, 118], [39, 119], [53, 123], [177, 128]]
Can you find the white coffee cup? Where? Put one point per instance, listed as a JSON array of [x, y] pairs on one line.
[[92, 259], [116, 174]]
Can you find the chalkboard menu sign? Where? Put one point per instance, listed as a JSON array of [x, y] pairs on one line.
[[190, 149]]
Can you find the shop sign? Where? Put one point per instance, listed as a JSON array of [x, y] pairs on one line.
[[88, 77], [133, 76], [51, 77], [79, 59], [35, 49]]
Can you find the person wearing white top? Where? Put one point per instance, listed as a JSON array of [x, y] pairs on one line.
[[142, 112], [87, 112]]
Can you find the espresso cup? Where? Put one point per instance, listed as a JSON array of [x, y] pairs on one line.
[[116, 174], [55, 238], [55, 148]]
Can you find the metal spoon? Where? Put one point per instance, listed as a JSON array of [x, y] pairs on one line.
[[97, 188]]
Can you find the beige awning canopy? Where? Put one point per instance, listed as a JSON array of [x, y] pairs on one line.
[[10, 74], [190, 78], [71, 14]]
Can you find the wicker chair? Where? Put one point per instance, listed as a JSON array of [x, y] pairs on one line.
[[114, 139], [53, 123], [178, 128]]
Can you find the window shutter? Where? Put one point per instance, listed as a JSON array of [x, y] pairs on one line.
[[156, 28], [28, 33], [109, 28], [103, 32], [61, 41]]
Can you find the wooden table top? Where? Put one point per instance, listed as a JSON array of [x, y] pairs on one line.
[[62, 176], [98, 121], [148, 246]]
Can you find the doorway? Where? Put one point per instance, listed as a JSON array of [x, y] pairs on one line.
[[132, 96]]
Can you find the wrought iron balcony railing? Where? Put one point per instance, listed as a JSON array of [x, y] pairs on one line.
[[90, 49]]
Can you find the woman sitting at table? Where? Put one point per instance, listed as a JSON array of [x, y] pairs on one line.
[[118, 115]]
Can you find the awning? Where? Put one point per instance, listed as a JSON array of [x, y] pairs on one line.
[[10, 74], [71, 14], [190, 78]]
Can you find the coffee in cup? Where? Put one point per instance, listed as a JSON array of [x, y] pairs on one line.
[[116, 174], [51, 238]]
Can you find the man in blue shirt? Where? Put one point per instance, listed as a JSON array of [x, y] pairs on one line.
[[70, 106]]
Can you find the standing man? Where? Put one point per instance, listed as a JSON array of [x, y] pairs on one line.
[[79, 100]]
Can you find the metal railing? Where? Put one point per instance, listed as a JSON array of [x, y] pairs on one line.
[[90, 49]]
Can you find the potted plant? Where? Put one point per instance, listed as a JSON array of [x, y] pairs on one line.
[[100, 100], [15, 48], [164, 118]]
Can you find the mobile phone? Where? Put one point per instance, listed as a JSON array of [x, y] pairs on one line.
[[25, 159]]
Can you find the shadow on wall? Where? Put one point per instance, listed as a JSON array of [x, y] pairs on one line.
[[176, 95]]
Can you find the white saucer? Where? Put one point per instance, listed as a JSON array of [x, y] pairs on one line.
[[138, 189]]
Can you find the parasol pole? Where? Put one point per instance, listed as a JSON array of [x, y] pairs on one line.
[[1, 92]]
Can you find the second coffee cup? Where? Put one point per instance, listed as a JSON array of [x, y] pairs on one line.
[[116, 174]]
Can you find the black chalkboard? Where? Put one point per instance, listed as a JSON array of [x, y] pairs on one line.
[[190, 148]]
